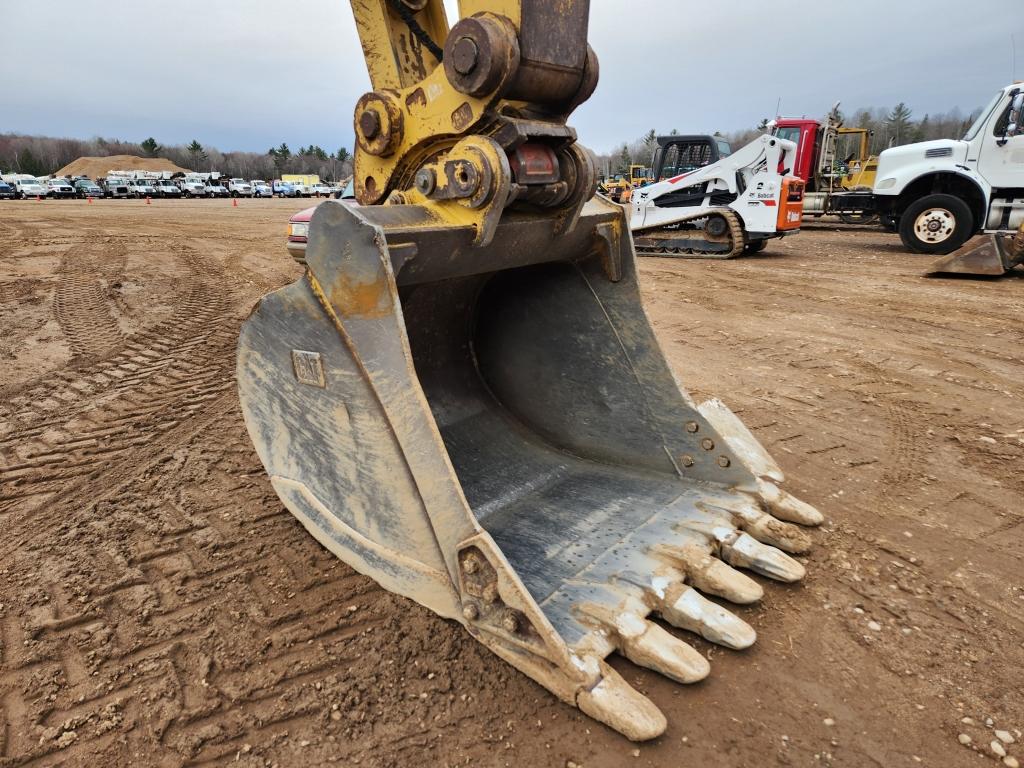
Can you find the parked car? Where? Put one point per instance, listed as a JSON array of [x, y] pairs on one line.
[[213, 189], [6, 191], [87, 188], [60, 188], [260, 188], [298, 225], [239, 188], [114, 186], [192, 187], [321, 190], [166, 188], [284, 189], [30, 188]]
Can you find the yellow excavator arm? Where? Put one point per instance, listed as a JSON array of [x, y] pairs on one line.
[[463, 398], [468, 121]]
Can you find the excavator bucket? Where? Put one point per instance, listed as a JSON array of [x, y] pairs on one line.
[[984, 255], [493, 431]]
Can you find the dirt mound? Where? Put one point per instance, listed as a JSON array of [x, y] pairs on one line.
[[95, 167]]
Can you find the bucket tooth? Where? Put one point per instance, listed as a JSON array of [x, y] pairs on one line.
[[648, 645], [617, 704], [763, 527], [687, 609], [769, 530], [787, 507], [747, 552], [707, 573], [785, 536]]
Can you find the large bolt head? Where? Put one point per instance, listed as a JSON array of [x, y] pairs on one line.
[[464, 55], [426, 182], [369, 123]]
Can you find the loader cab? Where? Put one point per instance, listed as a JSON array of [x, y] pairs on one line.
[[679, 155]]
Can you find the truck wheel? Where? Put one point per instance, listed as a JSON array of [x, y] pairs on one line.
[[936, 224]]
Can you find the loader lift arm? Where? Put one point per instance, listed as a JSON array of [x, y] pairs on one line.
[[463, 398]]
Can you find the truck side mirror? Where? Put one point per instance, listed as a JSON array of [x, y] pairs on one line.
[[1013, 128], [1013, 119]]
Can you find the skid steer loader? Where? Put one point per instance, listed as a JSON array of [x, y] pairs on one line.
[[985, 255], [720, 210], [463, 398]]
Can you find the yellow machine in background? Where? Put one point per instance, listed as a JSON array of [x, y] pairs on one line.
[[860, 167], [463, 397], [639, 175]]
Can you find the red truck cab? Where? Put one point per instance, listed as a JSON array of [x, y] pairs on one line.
[[804, 133]]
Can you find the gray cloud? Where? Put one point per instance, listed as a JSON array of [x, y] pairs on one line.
[[246, 74]]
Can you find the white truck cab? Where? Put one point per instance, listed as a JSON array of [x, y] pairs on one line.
[[239, 188], [937, 194]]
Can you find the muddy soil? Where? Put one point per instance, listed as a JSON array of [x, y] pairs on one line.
[[158, 606]]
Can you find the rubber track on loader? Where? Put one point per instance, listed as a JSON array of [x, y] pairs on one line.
[[683, 247]]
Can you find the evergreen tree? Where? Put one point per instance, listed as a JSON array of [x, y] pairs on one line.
[[899, 123], [28, 163], [280, 155], [624, 160], [150, 147], [196, 154]]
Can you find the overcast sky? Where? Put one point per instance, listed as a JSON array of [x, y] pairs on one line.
[[248, 74]]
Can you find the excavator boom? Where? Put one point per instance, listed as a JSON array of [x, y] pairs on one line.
[[463, 398]]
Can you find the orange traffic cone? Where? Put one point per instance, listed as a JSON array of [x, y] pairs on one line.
[[147, 200], [234, 202], [88, 200], [39, 198]]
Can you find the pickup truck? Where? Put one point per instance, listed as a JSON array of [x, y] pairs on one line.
[[30, 188], [60, 188], [6, 191], [260, 188], [322, 190], [87, 188]]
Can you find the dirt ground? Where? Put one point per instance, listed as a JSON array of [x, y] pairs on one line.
[[158, 606]]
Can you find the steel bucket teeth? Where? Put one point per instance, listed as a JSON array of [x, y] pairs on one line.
[[493, 432], [687, 609], [616, 703]]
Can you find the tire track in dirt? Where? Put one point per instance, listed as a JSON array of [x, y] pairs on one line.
[[82, 307], [82, 421]]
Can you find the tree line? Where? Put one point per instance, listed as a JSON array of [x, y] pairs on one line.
[[43, 155], [890, 127]]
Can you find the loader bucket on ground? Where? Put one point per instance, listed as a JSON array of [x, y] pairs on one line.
[[494, 432], [982, 255]]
